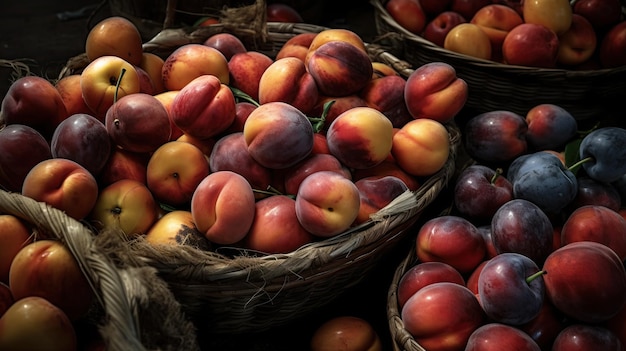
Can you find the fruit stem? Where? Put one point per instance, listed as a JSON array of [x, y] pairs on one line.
[[240, 95], [497, 174], [532, 277], [574, 166], [318, 122], [270, 191], [117, 84]]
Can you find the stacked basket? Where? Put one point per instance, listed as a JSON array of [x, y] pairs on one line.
[[234, 292], [588, 94]]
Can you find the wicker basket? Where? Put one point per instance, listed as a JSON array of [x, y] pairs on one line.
[[588, 94], [231, 292], [135, 309]]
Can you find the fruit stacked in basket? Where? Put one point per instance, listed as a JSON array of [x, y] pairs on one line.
[[517, 54], [258, 186]]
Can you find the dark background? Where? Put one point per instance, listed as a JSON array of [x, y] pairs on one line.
[[32, 32]]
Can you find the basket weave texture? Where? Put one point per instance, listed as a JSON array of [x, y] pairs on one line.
[[232, 291], [586, 94], [135, 309]]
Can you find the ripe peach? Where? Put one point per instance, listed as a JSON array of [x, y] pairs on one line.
[[205, 145], [338, 105], [278, 135], [287, 80], [191, 61], [423, 274], [246, 69], [408, 14], [360, 137], [387, 168], [205, 107], [327, 203], [174, 171], [33, 323], [101, 85], [166, 98], [346, 333], [496, 20], [556, 15], [72, 95], [115, 36], [35, 102], [386, 94], [123, 164], [296, 46], [376, 193], [176, 228], [14, 235], [382, 70], [46, 268], [227, 43], [152, 64], [421, 147], [127, 205], [332, 34], [275, 228], [63, 184], [242, 111], [339, 68], [469, 39], [435, 91], [294, 176], [223, 207]]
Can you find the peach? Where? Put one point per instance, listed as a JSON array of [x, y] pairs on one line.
[[204, 108], [63, 184], [386, 94], [294, 176], [227, 43], [421, 147], [223, 207], [138, 123], [152, 64], [33, 323], [532, 45], [123, 164], [578, 43], [382, 69], [296, 46], [360, 137], [276, 228], [145, 81], [327, 203], [387, 168], [22, 148], [339, 68], [278, 135], [287, 80], [174, 171], [422, 274], [333, 34], [35, 102], [469, 39], [612, 44], [438, 28], [205, 145], [556, 15], [6, 297], [408, 14], [230, 153], [242, 111], [435, 91], [115, 36], [376, 193], [320, 144], [347, 333], [246, 69], [46, 268], [126, 205], [176, 228], [496, 20], [72, 95], [14, 235], [279, 12], [191, 61], [105, 80]]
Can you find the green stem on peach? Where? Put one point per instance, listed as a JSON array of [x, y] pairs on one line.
[[575, 166], [532, 277], [117, 84], [318, 122], [497, 174], [242, 96]]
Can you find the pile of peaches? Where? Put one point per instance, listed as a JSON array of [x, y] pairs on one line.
[[581, 34]]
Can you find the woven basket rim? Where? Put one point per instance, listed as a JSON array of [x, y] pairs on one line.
[[404, 34]]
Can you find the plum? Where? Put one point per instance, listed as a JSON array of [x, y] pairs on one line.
[[522, 227], [480, 190], [496, 136], [511, 289], [497, 337], [543, 179], [594, 192], [549, 127], [579, 337], [22, 148], [605, 149], [84, 139]]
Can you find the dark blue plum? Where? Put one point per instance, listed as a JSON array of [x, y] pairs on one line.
[[607, 149], [522, 227], [543, 179]]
